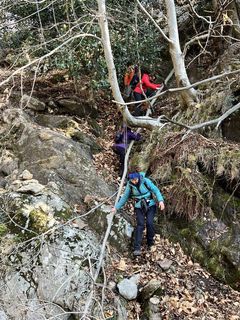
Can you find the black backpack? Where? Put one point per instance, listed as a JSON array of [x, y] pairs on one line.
[[134, 81]]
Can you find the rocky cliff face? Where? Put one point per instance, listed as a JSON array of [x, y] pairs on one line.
[[48, 248], [52, 156]]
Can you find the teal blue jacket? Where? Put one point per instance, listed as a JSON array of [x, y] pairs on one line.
[[132, 191]]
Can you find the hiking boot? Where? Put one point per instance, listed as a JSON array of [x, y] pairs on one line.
[[137, 253]]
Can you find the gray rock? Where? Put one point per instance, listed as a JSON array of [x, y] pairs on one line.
[[32, 103], [77, 107], [31, 187], [165, 264], [128, 287], [3, 315], [122, 313], [149, 289], [154, 313], [121, 231], [26, 175], [8, 162], [53, 121], [51, 156], [57, 272]]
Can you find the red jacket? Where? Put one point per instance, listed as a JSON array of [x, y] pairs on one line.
[[145, 83]]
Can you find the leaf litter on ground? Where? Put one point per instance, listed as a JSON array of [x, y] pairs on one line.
[[188, 291]]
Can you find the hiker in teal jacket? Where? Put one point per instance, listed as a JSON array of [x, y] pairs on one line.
[[141, 189]]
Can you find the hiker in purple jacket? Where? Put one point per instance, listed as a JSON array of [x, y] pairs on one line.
[[122, 140]]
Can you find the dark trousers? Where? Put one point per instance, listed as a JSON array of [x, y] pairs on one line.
[[138, 97], [121, 152], [138, 110], [141, 216]]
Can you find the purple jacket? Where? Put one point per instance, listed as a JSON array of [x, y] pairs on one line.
[[123, 138]]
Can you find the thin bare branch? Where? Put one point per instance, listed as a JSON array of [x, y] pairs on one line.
[[154, 22], [218, 120], [48, 54]]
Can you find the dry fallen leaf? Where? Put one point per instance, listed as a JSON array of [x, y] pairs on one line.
[[108, 314], [122, 265]]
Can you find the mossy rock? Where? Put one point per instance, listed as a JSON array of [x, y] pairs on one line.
[[38, 220], [3, 229], [65, 214], [35, 223], [95, 128]]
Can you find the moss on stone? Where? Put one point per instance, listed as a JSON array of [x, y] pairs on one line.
[[185, 232], [3, 229], [64, 214], [38, 220]]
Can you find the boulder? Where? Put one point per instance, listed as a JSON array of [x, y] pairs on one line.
[[3, 315], [32, 103], [77, 107], [121, 231], [150, 289], [50, 279], [26, 175], [128, 287], [165, 264], [8, 162], [33, 213], [51, 156]]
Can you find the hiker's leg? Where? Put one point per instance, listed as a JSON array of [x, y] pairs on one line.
[[149, 224], [140, 217], [137, 97], [121, 153], [121, 159]]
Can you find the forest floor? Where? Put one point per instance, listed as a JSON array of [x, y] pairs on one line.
[[188, 291]]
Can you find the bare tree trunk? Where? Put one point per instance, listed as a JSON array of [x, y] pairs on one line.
[[233, 10], [215, 4], [189, 97]]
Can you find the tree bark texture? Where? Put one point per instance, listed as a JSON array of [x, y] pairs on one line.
[[189, 97]]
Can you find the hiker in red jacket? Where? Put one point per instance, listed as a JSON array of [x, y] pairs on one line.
[[140, 91]]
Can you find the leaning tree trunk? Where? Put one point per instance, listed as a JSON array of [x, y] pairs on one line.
[[233, 10], [189, 97]]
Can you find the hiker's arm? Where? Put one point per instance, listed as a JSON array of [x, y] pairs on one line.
[[154, 189], [148, 83], [124, 198]]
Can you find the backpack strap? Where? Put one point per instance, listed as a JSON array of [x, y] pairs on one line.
[[142, 194]]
